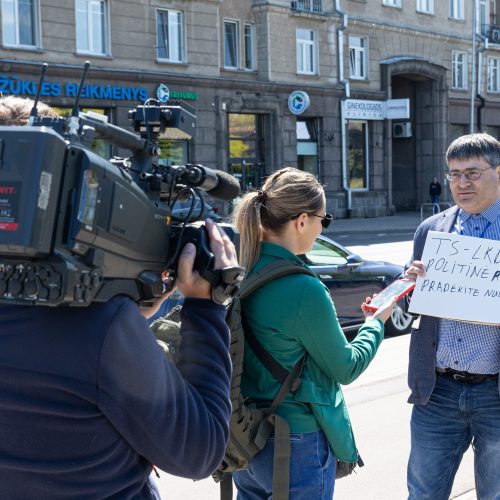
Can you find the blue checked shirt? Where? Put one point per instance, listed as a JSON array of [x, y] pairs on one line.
[[466, 346]]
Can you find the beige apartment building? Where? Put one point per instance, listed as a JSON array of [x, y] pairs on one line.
[[366, 94]]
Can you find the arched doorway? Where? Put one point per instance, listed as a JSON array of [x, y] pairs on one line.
[[416, 148]]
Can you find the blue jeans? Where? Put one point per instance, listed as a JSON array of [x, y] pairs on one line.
[[312, 470], [457, 415]]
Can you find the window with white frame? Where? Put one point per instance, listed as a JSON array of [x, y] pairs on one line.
[[358, 57], [306, 51], [231, 44], [493, 74], [249, 46], [392, 3], [170, 36], [459, 70], [20, 23], [457, 9], [91, 26], [426, 6], [483, 16]]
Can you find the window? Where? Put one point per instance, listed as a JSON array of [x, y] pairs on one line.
[[357, 154], [231, 44], [249, 47], [358, 57], [306, 52], [20, 23], [170, 36], [459, 70], [494, 74], [392, 3], [308, 5], [91, 27], [307, 145], [426, 6], [483, 16], [457, 9]]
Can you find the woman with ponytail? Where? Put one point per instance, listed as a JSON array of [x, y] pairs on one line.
[[291, 316]]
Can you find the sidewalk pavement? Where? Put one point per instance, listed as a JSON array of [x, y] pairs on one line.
[[402, 222]]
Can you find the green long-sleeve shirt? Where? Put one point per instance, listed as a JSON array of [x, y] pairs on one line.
[[294, 314]]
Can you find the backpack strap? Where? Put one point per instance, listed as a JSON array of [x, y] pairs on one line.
[[272, 271]]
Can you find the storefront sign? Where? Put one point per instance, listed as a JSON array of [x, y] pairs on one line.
[[12, 85], [298, 102], [396, 109], [462, 279], [360, 109], [163, 94]]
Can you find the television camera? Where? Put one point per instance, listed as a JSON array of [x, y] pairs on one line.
[[76, 228]]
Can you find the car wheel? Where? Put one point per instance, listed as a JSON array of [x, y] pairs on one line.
[[399, 322]]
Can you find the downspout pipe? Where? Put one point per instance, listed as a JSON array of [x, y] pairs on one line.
[[479, 84], [347, 93]]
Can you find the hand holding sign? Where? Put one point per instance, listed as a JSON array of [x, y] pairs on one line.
[[461, 280]]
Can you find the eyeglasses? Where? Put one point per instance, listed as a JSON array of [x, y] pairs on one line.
[[325, 219], [471, 175]]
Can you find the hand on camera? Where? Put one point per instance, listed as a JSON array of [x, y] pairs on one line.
[[383, 313], [189, 282], [416, 269]]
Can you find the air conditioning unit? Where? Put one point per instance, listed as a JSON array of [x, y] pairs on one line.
[[401, 130]]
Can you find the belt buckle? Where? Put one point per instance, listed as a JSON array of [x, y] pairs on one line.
[[459, 377]]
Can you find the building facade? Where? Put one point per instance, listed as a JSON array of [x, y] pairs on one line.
[[365, 94]]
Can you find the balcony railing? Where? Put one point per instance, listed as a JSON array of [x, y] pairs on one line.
[[315, 6], [491, 32]]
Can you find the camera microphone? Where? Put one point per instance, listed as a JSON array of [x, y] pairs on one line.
[[217, 183]]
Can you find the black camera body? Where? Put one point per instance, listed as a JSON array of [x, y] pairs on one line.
[[76, 228]]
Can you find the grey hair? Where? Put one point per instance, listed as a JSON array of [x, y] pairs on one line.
[[475, 146]]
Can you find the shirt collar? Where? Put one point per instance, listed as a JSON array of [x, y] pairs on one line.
[[491, 214], [274, 250]]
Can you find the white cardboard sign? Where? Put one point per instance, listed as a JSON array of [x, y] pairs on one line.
[[462, 279]]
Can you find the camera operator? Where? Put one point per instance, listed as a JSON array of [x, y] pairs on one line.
[[90, 403]]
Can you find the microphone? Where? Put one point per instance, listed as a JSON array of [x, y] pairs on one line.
[[217, 183]]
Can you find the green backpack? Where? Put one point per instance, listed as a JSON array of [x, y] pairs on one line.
[[250, 427]]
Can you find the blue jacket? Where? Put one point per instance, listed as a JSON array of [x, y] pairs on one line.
[[423, 343], [89, 402]]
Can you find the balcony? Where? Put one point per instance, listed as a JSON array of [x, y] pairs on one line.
[[315, 6], [491, 32]]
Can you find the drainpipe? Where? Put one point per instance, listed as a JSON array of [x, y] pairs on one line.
[[473, 72], [479, 84], [347, 93]]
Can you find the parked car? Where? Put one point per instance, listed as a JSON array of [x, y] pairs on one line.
[[351, 279], [181, 210]]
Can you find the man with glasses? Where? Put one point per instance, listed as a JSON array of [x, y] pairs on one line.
[[454, 365]]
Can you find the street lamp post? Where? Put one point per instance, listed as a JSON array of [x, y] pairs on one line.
[[473, 68]]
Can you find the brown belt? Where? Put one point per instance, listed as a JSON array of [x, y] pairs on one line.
[[466, 377]]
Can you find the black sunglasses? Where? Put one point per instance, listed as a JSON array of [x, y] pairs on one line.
[[325, 219]]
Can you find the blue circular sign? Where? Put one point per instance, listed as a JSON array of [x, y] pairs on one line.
[[163, 93], [298, 102]]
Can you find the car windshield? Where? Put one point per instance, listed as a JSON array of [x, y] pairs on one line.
[[325, 253]]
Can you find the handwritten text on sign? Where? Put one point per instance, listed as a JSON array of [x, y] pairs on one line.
[[462, 279]]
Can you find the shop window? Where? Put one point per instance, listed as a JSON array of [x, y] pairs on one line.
[[99, 146], [174, 152], [426, 6], [306, 52], [457, 9], [493, 74], [245, 148], [170, 36], [91, 26], [231, 44], [20, 23], [357, 154], [459, 70], [307, 146], [358, 57], [249, 47]]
